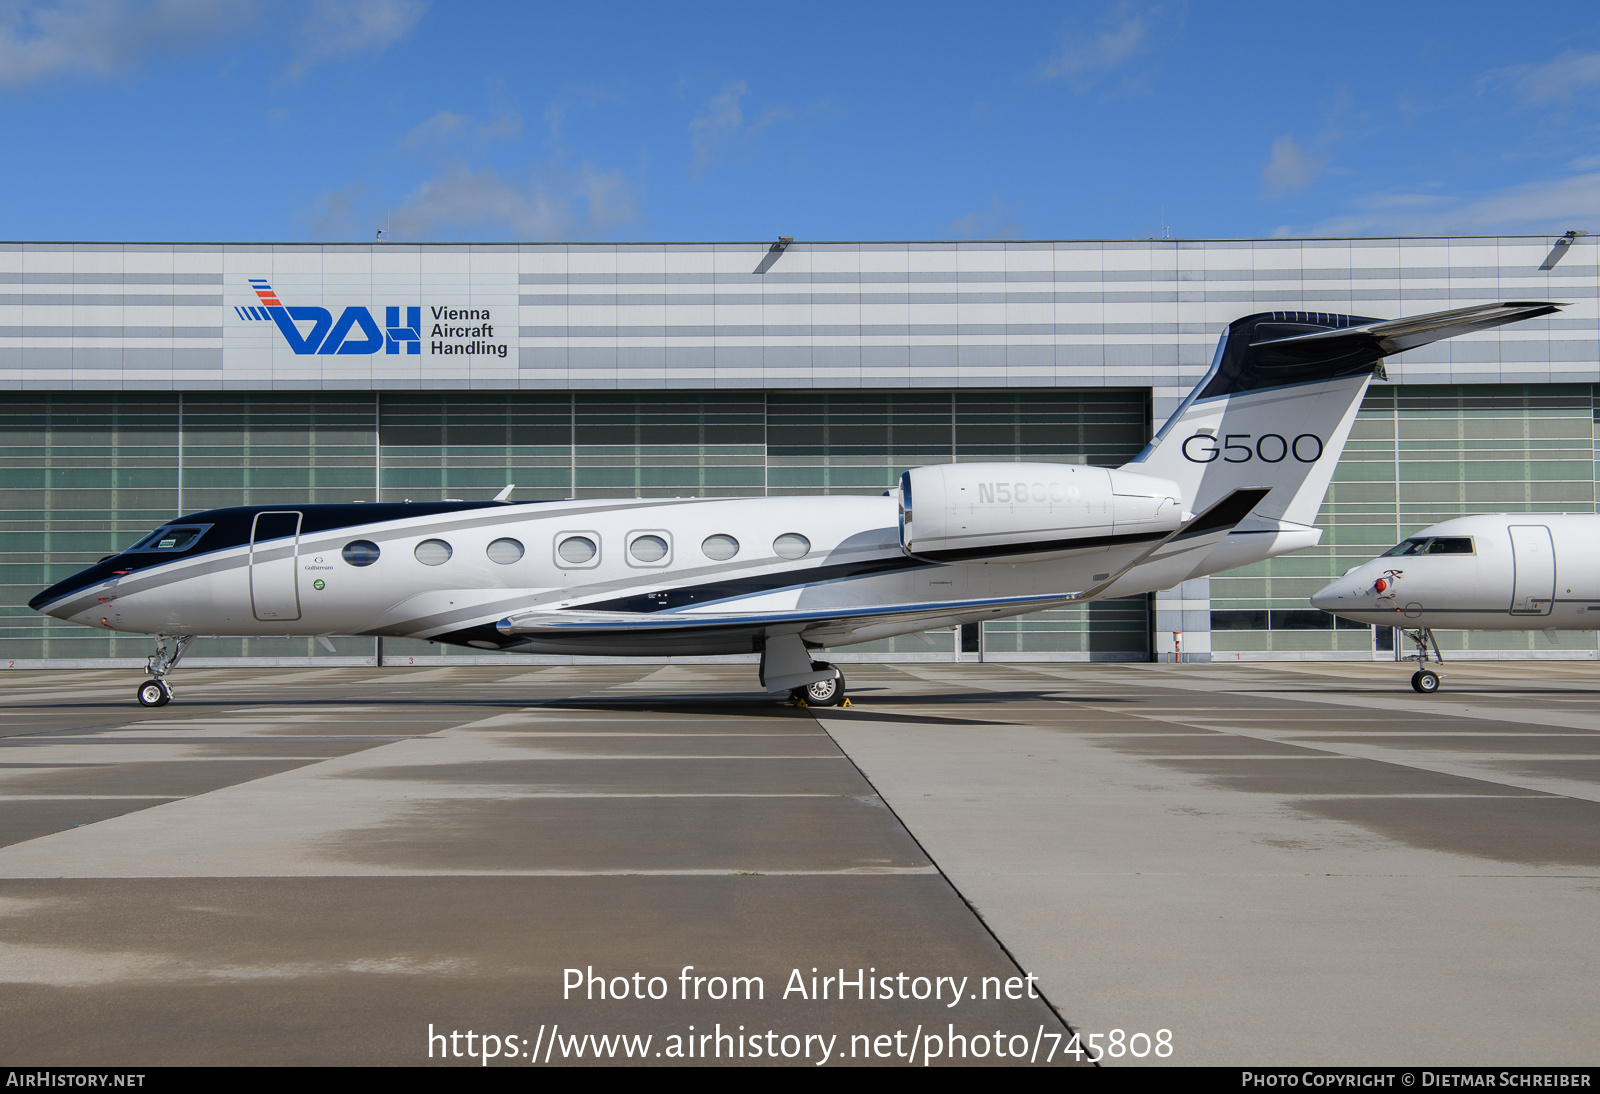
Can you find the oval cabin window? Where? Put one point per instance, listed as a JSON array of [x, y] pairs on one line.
[[720, 548], [433, 552], [361, 552], [648, 548], [577, 549], [792, 545], [505, 552]]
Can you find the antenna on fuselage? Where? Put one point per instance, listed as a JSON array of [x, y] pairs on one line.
[[505, 495]]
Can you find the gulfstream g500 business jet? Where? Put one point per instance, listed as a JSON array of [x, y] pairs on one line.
[[1236, 475]]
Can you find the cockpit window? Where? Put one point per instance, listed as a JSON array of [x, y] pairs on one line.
[[177, 538], [1432, 545]]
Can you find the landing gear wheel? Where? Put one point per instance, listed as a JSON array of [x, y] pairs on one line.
[[1426, 681], [824, 693], [154, 693]]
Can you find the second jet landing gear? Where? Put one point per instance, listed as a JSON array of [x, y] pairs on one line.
[[156, 692], [1424, 680]]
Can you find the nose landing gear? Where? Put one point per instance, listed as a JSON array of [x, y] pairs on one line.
[[156, 692], [1424, 680]]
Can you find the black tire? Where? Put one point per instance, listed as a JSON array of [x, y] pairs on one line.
[[824, 693], [154, 693], [1425, 681]]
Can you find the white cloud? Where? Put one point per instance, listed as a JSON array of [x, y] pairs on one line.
[[1126, 31], [1290, 167], [466, 199], [996, 222], [1079, 56], [437, 128], [718, 125], [100, 38], [553, 202], [1547, 206], [338, 214], [447, 126], [1555, 80], [50, 39], [721, 125], [340, 28]]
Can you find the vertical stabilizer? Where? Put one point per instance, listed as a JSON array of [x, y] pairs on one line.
[[1276, 408]]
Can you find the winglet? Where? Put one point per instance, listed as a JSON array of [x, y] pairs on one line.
[[505, 495]]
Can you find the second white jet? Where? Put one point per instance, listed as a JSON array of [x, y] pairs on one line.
[[1496, 572]]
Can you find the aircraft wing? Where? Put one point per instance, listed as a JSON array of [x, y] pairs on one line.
[[799, 621], [1200, 532], [1398, 335]]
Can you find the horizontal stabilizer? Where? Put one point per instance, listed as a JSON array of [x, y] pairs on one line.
[[1398, 335]]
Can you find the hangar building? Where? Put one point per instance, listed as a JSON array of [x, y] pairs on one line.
[[138, 381]]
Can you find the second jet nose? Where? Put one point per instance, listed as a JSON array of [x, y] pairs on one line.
[[1326, 597]]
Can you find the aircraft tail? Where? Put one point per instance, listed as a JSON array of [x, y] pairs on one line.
[[1276, 408]]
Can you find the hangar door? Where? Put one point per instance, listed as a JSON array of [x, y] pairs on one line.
[[1533, 582], [274, 565]]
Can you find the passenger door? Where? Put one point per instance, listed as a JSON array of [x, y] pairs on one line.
[[274, 566], [1533, 583]]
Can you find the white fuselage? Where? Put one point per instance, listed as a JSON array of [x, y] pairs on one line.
[[303, 585], [1523, 571]]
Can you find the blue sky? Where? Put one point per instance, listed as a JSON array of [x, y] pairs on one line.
[[248, 120]]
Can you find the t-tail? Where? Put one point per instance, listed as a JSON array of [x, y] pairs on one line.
[[1276, 408]]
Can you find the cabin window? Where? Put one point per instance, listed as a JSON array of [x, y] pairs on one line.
[[648, 548], [433, 552], [720, 548], [577, 550], [505, 551], [792, 545], [360, 552], [1431, 545]]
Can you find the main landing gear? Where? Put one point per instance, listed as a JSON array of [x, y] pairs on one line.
[[786, 666], [156, 692], [1424, 680], [823, 693]]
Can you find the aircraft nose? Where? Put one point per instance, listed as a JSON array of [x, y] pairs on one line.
[[52, 601], [1326, 597]]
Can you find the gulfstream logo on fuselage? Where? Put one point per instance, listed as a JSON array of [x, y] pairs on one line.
[[357, 332]]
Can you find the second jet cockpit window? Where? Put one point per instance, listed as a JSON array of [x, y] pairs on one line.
[[1432, 545], [360, 552], [433, 552]]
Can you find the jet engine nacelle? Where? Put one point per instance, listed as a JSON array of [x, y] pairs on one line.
[[957, 512]]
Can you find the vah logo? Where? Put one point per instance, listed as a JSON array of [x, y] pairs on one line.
[[355, 332]]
